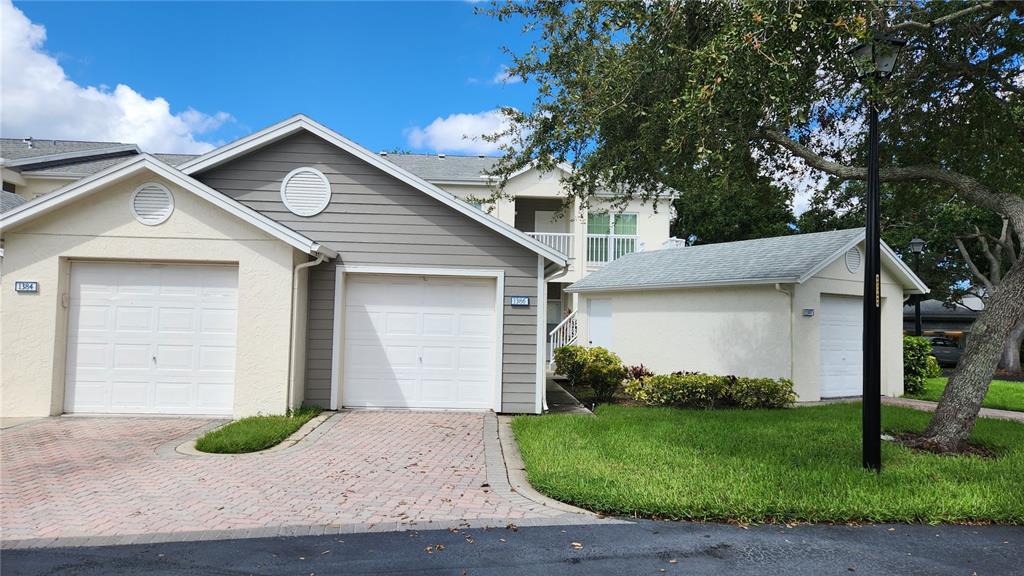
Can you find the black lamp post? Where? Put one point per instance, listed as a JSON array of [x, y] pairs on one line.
[[875, 59], [916, 247]]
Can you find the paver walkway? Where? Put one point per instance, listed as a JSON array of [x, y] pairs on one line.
[[112, 477], [930, 406]]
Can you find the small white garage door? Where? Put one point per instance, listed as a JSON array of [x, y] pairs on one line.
[[151, 339], [840, 334], [419, 342]]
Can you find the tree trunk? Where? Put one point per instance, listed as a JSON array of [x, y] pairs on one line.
[[958, 408], [1011, 350]]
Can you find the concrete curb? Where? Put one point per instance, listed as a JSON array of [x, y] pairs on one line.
[[278, 532], [516, 475], [188, 448]]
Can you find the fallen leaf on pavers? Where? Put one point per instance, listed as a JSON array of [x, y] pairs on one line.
[[576, 546], [515, 528]]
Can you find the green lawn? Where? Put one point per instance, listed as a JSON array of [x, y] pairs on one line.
[[1002, 394], [254, 433], [799, 464]]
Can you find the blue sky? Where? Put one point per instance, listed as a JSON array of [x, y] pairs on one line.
[[380, 73]]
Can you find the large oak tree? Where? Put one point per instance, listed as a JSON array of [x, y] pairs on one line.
[[642, 96]]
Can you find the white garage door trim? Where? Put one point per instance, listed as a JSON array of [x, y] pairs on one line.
[[151, 338], [840, 346], [337, 350]]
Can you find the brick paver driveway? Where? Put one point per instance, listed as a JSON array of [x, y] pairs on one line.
[[97, 477]]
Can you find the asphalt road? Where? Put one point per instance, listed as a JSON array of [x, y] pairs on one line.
[[642, 548]]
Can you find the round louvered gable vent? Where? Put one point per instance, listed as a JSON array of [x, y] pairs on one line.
[[853, 258], [152, 204], [305, 191]]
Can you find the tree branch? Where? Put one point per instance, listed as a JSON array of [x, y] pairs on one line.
[[994, 268], [970, 264], [1010, 205], [929, 26]]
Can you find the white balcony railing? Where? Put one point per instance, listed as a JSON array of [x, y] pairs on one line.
[[603, 248], [560, 241], [563, 335]]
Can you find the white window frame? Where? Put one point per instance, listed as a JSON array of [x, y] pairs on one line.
[[337, 346]]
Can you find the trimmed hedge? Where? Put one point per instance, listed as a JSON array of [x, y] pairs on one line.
[[604, 373], [917, 357], [597, 368], [704, 391], [570, 362]]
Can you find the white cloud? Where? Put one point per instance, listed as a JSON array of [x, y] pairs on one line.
[[38, 99], [461, 133], [502, 76]]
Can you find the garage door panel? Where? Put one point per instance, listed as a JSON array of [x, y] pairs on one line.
[[215, 321], [400, 324], [151, 338], [419, 342]]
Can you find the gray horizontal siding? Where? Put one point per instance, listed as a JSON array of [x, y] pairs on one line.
[[375, 219]]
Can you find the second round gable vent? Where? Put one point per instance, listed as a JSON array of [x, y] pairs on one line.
[[152, 204], [306, 191], [853, 258]]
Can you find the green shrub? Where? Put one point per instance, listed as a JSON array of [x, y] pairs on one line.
[[704, 391], [569, 362], [933, 371], [603, 372], [762, 393], [916, 351]]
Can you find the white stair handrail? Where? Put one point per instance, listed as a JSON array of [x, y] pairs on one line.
[[562, 335]]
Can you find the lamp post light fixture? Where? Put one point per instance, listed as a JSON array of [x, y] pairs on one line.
[[916, 247], [875, 59]]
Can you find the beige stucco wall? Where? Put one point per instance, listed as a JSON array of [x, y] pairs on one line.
[[735, 330], [745, 330], [32, 326]]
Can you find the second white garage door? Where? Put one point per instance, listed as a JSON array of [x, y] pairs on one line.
[[419, 342], [840, 335], [151, 339]]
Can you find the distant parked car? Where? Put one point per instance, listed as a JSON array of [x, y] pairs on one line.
[[945, 350]]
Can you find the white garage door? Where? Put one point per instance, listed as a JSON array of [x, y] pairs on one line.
[[151, 339], [419, 342], [841, 357]]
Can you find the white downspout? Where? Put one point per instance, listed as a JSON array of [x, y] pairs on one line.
[[792, 334], [295, 320]]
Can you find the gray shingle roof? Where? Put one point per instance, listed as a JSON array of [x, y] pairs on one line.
[[782, 259], [9, 200], [89, 167], [431, 167], [17, 148]]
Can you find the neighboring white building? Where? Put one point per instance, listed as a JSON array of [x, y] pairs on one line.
[[786, 307]]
